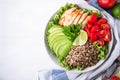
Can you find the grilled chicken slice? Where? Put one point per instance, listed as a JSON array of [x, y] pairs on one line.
[[85, 21], [65, 15], [62, 19], [83, 17], [69, 11], [78, 17], [71, 18], [74, 16]]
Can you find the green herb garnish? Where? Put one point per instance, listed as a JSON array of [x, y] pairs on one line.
[[72, 31]]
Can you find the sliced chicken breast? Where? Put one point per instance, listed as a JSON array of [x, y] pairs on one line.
[[72, 17], [83, 17], [62, 20], [84, 24], [78, 17], [69, 11], [65, 15]]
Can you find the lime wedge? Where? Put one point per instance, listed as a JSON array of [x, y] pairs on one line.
[[81, 38], [76, 41]]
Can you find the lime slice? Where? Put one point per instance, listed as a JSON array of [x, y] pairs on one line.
[[81, 39], [76, 41]]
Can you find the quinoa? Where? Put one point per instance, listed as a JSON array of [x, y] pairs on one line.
[[85, 55]]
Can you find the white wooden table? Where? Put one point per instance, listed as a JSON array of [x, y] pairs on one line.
[[22, 48]]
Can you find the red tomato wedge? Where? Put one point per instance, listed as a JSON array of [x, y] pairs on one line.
[[95, 28], [93, 18], [101, 21], [105, 26], [93, 37], [89, 25], [107, 37], [88, 31], [102, 33]]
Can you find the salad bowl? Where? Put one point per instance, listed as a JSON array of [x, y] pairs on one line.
[[55, 58]]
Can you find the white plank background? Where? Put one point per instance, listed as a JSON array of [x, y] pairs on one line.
[[22, 26]]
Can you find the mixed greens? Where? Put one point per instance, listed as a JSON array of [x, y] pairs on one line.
[[72, 31], [103, 50]]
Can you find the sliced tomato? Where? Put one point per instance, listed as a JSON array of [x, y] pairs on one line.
[[101, 21], [88, 31], [93, 18], [101, 42], [93, 37], [95, 28], [107, 37], [102, 33], [89, 25], [105, 26]]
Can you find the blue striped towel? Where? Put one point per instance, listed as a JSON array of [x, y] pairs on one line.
[[56, 74]]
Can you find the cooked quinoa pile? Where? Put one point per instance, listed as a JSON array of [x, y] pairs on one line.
[[85, 55]]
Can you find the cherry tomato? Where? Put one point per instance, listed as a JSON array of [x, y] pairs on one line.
[[95, 29], [101, 42], [93, 18], [93, 37], [88, 31], [105, 26], [114, 78], [107, 3], [107, 37], [89, 25], [102, 33], [101, 21]]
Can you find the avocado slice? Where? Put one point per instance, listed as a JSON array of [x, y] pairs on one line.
[[51, 38], [54, 33], [64, 49], [54, 29], [58, 44], [60, 37]]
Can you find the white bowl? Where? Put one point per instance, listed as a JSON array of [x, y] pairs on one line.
[[54, 58]]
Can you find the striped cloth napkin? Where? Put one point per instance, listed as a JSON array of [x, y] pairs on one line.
[[97, 74]]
